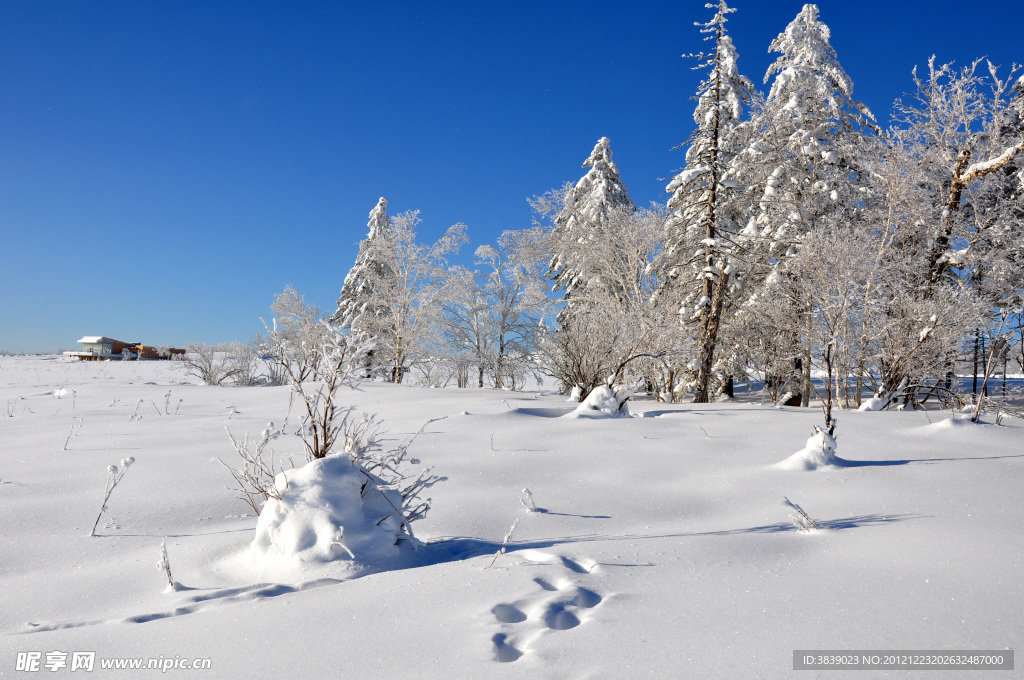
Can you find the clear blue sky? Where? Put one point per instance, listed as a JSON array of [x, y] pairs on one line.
[[167, 167]]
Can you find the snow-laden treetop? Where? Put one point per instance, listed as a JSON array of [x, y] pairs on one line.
[[810, 68], [378, 218], [601, 189]]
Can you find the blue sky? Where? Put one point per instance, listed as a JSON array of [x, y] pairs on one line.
[[167, 167]]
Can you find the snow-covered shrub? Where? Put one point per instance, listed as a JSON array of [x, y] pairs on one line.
[[819, 451], [353, 505], [876, 403], [333, 508], [604, 401]]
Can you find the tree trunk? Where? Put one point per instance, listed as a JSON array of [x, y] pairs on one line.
[[805, 387], [974, 390], [709, 335], [713, 286]]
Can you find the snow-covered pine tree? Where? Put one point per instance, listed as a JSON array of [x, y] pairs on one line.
[[702, 217], [357, 290], [357, 307], [802, 163], [584, 214]]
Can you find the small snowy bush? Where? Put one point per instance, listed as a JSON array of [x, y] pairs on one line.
[[604, 401], [331, 509], [819, 451]]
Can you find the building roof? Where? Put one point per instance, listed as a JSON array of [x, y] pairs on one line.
[[95, 338]]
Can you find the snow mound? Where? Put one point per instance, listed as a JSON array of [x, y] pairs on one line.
[[819, 451], [603, 402], [874, 404], [332, 509], [953, 423], [576, 395]]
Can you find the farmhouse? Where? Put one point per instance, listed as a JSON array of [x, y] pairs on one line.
[[99, 348]]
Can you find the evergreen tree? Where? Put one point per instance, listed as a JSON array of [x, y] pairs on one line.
[[802, 166], [702, 215], [358, 307], [357, 291], [584, 214]]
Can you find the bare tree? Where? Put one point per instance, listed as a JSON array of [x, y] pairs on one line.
[[294, 339], [215, 365]]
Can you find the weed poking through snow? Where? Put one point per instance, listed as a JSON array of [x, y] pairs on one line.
[[801, 519], [504, 543], [527, 501], [114, 475], [164, 565]]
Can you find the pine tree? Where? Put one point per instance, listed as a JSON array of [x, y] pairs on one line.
[[701, 212], [584, 214], [357, 291], [358, 308], [802, 163]]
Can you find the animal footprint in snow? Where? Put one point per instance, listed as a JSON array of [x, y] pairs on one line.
[[504, 651], [560, 605], [507, 613], [583, 565]]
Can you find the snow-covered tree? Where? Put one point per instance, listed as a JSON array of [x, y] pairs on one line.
[[616, 321], [703, 219], [294, 337], [405, 291], [491, 317], [357, 291], [802, 163], [950, 205], [511, 282], [464, 326], [967, 138], [582, 215]]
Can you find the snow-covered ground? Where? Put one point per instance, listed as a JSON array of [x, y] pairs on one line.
[[662, 546]]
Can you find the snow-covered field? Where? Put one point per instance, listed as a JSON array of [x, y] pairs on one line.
[[662, 547]]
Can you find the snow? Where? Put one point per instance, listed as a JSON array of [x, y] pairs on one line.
[[661, 547], [687, 176]]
